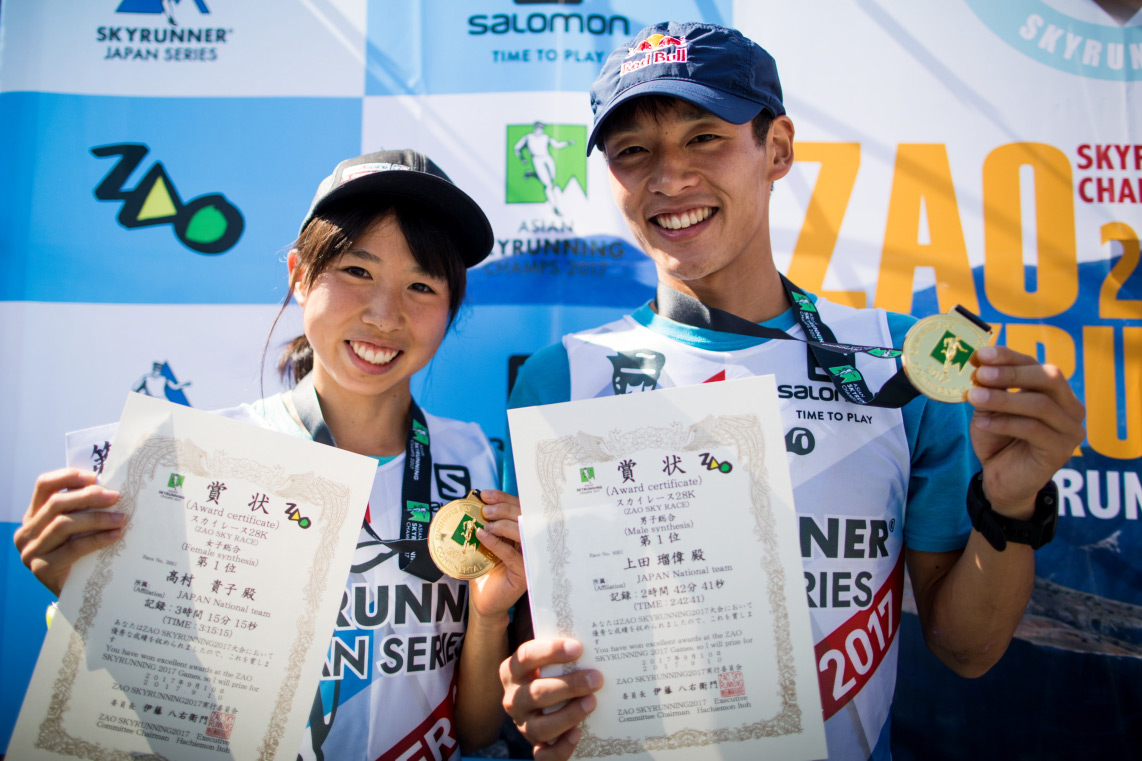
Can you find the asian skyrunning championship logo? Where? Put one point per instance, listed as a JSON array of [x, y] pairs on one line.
[[542, 160]]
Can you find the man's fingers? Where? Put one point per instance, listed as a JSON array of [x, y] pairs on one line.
[[561, 749], [546, 692], [1061, 415], [527, 702], [1000, 355], [536, 653], [542, 727], [1001, 367], [1036, 416], [1035, 377], [1042, 436]]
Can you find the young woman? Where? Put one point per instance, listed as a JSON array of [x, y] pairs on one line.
[[379, 269]]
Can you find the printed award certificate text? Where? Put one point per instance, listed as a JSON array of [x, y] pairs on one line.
[[202, 632], [659, 531]]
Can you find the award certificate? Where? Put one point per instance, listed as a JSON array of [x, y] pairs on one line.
[[202, 632], [659, 531]]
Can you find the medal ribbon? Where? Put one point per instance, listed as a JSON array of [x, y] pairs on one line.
[[416, 489], [838, 360]]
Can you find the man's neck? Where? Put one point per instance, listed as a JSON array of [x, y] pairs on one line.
[[757, 299]]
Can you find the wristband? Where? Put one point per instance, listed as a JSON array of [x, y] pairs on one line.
[[998, 529]]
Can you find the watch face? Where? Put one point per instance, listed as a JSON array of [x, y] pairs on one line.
[[936, 353]]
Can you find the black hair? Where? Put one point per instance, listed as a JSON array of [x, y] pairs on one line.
[[656, 106], [434, 242]]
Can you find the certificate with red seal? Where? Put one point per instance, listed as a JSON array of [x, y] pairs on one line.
[[202, 632], [659, 530]]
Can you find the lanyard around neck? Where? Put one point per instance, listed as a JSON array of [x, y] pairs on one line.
[[838, 360], [416, 489]]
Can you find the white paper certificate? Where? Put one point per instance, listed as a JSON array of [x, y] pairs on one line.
[[202, 632], [659, 531]]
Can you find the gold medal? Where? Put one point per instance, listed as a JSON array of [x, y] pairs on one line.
[[936, 353], [452, 541]]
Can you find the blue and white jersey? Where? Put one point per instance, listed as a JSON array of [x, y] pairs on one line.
[[868, 481]]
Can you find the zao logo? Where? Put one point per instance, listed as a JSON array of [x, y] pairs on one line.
[[800, 441], [209, 224], [165, 7]]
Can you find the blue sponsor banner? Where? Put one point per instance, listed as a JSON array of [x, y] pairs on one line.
[[445, 46], [599, 270], [187, 200]]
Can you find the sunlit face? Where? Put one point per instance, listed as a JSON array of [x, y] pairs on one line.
[[694, 190], [373, 317]]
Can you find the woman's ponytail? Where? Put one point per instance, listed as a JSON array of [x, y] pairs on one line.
[[296, 359]]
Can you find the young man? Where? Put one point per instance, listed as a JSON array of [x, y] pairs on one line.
[[691, 120]]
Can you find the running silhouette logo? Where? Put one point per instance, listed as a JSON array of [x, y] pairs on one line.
[[952, 352], [161, 383], [208, 224], [165, 7], [542, 160]]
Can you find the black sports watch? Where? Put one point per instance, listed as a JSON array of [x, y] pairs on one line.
[[998, 529]]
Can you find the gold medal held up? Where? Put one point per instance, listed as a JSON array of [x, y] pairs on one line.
[[936, 353], [452, 541]]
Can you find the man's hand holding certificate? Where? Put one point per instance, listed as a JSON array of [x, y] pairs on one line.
[[659, 531], [202, 632]]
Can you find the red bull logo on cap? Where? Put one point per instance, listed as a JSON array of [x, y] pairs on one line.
[[657, 48]]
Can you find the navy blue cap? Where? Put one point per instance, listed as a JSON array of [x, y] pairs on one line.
[[710, 66], [411, 175]]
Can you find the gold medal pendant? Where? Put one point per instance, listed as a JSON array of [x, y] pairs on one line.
[[452, 541], [936, 353]]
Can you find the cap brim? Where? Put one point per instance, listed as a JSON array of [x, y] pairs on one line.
[[449, 201], [722, 105]]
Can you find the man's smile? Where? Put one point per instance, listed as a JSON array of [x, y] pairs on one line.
[[683, 219]]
